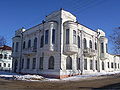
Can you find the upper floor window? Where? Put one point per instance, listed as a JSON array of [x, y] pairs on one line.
[[78, 42], [46, 36], [24, 45], [13, 47], [1, 56], [111, 64], [29, 43], [4, 64], [74, 37], [0, 64], [53, 36], [35, 43], [102, 47], [17, 45], [67, 36], [42, 41], [85, 43], [95, 46], [51, 63], [106, 48], [9, 56], [69, 63], [90, 43], [5, 56]]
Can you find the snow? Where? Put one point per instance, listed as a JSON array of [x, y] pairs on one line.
[[15, 76]]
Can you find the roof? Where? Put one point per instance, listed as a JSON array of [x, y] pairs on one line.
[[5, 47]]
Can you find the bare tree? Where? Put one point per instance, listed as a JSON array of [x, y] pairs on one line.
[[115, 39], [2, 40]]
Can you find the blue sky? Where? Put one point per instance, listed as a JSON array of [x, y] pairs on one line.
[[14, 14]]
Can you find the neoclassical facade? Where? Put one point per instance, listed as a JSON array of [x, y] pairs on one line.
[[5, 58], [60, 47]]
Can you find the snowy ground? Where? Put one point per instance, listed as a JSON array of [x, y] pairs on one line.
[[14, 76]]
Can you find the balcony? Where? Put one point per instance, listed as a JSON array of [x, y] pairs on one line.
[[29, 51], [88, 52], [70, 49]]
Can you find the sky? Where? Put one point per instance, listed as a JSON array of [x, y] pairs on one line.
[[102, 14]]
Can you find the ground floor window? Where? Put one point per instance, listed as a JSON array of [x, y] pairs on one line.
[[41, 63], [28, 63], [118, 65], [69, 63], [4, 64], [34, 63], [0, 64], [91, 64], [108, 65], [103, 66], [112, 65], [78, 64], [115, 65], [51, 63], [22, 64], [85, 64], [96, 65], [8, 65]]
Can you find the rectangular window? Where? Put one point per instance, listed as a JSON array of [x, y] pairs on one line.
[[41, 63], [53, 36], [74, 37], [5, 56], [13, 47], [118, 65], [91, 64], [67, 36], [46, 36], [85, 64], [106, 48], [102, 47], [96, 64], [115, 65], [22, 65], [112, 65], [0, 64], [108, 65], [8, 65], [78, 64], [28, 63], [34, 63], [16, 48], [4, 64]]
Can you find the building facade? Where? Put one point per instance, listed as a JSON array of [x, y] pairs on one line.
[[5, 58], [60, 47]]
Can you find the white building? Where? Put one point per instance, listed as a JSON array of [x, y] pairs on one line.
[[60, 47], [5, 58]]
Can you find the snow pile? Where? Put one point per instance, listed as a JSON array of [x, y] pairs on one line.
[[15, 76]]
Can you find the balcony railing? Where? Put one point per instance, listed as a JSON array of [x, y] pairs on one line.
[[88, 52]]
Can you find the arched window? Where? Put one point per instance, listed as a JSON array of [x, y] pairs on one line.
[[42, 41], [51, 63], [24, 45], [78, 42], [90, 43], [85, 43], [35, 43], [95, 46], [29, 43], [69, 63], [103, 66], [74, 37]]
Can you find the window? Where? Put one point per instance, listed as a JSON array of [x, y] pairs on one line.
[[4, 64], [112, 65], [78, 42], [74, 37], [34, 63], [5, 56], [118, 65], [42, 41], [8, 65], [35, 43], [22, 64], [95, 46], [0, 64], [115, 65], [78, 64], [85, 64], [9, 56], [1, 56], [24, 45], [17, 45], [102, 48], [90, 43], [28, 63], [46, 36], [53, 36], [103, 66], [96, 64], [85, 43], [29, 43], [91, 64], [41, 63], [69, 63], [51, 63], [108, 65], [67, 36], [106, 48], [13, 47]]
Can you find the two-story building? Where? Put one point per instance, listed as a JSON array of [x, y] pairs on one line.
[[60, 47]]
